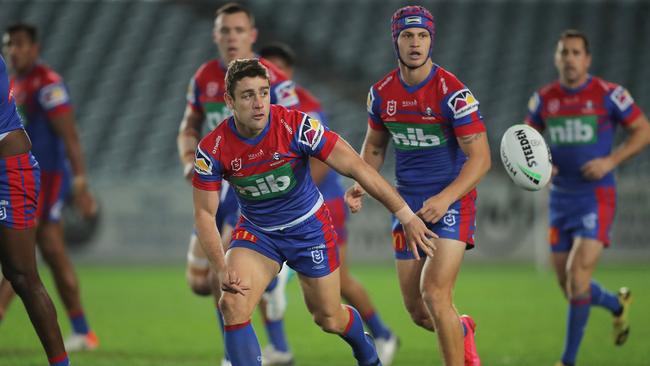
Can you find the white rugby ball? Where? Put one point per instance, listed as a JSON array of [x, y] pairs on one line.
[[526, 157]]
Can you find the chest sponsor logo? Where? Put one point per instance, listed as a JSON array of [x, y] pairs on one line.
[[462, 103], [578, 130], [215, 113], [311, 132], [256, 155], [391, 107], [412, 136], [266, 185], [202, 163]]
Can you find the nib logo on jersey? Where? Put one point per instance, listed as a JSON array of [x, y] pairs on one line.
[[578, 130], [265, 185], [414, 136]]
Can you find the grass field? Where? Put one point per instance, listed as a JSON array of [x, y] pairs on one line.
[[147, 316]]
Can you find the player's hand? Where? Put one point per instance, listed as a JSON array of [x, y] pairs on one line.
[[354, 197], [597, 168], [434, 208], [417, 235], [188, 171], [230, 282], [83, 199]]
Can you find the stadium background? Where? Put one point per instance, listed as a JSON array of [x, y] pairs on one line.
[[127, 65]]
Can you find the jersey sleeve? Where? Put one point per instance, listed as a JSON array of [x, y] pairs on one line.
[[313, 138], [461, 109], [534, 115], [621, 106], [373, 104], [193, 94], [207, 169], [53, 97]]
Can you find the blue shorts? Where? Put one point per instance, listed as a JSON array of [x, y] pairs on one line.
[[459, 223], [309, 248], [20, 182], [55, 188], [587, 215]]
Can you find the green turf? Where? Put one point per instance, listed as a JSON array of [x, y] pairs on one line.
[[147, 316]]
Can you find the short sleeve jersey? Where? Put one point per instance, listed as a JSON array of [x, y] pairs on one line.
[[269, 173], [581, 124], [41, 96], [9, 117], [424, 121], [330, 186], [207, 87]]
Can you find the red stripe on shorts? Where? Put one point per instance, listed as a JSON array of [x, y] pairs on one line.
[[606, 200], [329, 234]]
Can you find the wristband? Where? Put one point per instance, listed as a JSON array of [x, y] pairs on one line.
[[404, 214]]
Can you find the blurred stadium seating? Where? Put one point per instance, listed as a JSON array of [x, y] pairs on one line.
[[127, 64]]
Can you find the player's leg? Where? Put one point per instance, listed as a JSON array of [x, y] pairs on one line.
[[437, 284], [52, 246], [323, 298], [6, 295], [356, 295], [581, 263], [197, 270], [17, 253], [272, 307], [255, 271], [409, 272]]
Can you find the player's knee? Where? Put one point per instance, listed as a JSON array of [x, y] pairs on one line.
[[22, 281], [437, 300], [233, 308], [423, 320], [199, 285], [328, 322]]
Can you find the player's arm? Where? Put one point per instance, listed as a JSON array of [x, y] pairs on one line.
[[373, 152], [638, 138], [347, 162], [188, 138], [206, 204], [318, 170], [64, 125], [476, 148]]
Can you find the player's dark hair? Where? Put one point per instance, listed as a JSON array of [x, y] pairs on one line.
[[233, 8], [242, 68], [281, 51], [30, 30], [574, 33]]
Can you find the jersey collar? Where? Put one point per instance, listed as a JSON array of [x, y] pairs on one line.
[[251, 141], [414, 88], [578, 88]]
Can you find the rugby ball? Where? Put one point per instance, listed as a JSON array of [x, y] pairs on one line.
[[526, 157]]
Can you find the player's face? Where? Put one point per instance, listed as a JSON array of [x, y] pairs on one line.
[[250, 104], [19, 50], [414, 45], [234, 35], [282, 65], [572, 60]]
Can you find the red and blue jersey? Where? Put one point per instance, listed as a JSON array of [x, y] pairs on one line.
[[270, 172], [9, 117], [581, 123], [424, 121], [330, 186], [40, 97], [207, 87]]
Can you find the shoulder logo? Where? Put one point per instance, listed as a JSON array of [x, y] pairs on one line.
[[622, 98], [311, 132], [370, 101], [391, 107], [285, 94], [533, 103], [202, 163], [462, 103], [53, 95]]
